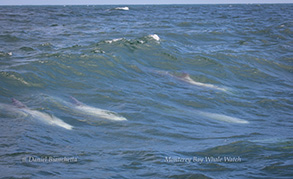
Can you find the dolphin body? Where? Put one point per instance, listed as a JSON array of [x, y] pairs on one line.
[[222, 117], [186, 77], [11, 110], [46, 118], [101, 113]]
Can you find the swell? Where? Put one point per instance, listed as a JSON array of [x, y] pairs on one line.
[[135, 62], [125, 56], [61, 68]]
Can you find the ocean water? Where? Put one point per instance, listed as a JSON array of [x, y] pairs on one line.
[[169, 91]]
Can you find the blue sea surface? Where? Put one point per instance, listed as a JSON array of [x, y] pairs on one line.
[[156, 91]]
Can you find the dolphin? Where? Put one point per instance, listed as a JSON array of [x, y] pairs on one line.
[[93, 111], [18, 103], [186, 77], [222, 117], [11, 110], [44, 117]]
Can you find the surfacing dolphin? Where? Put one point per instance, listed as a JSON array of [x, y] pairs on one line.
[[222, 117], [101, 113], [186, 78], [44, 117]]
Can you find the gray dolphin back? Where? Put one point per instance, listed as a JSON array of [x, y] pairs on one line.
[[17, 103], [75, 101]]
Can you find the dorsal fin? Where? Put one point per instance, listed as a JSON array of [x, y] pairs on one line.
[[185, 75], [75, 101], [17, 103]]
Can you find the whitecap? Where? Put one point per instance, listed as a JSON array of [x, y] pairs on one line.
[[155, 37], [113, 40], [122, 8]]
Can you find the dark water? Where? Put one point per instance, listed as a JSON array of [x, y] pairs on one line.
[[206, 91]]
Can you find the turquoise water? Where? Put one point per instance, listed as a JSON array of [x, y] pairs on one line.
[[177, 91]]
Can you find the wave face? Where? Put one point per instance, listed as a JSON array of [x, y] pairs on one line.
[[206, 90]]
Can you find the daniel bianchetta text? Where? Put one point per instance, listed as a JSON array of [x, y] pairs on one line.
[[207, 159], [49, 159]]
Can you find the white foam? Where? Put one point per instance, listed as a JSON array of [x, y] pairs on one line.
[[122, 8], [113, 40], [154, 36], [141, 41]]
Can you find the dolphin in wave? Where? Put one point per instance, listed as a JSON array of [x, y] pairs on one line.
[[44, 117], [101, 113], [186, 77], [221, 117]]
